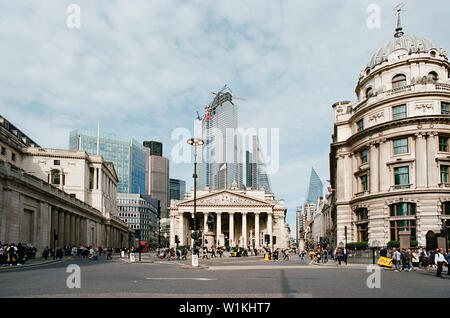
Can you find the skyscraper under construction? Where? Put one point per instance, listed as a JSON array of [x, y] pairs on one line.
[[222, 162]]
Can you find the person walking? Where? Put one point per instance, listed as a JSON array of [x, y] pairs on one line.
[[46, 252], [339, 254], [396, 257], [415, 259], [447, 257], [405, 260], [12, 255], [439, 260]]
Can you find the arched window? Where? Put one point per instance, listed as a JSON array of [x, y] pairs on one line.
[[369, 92], [55, 177], [432, 76], [398, 81]]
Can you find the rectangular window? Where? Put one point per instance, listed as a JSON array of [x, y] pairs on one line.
[[444, 174], [403, 225], [399, 112], [360, 124], [445, 108], [91, 178], [400, 146], [443, 144], [363, 234], [364, 185], [364, 156], [401, 175], [13, 157], [3, 151], [56, 162]]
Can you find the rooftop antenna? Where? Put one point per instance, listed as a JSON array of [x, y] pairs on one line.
[[399, 30]]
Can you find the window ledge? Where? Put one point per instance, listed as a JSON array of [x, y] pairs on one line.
[[400, 187], [444, 185]]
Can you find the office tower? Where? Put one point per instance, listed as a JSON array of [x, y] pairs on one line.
[[315, 188], [127, 155], [223, 162], [157, 176], [177, 189], [256, 174], [156, 148]]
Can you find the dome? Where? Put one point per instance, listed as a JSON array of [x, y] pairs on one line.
[[403, 42]]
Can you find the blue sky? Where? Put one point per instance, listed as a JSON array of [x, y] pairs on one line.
[[143, 68]]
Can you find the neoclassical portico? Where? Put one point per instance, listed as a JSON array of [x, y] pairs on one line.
[[244, 218]]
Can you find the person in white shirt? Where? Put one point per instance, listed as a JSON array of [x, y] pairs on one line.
[[439, 260]]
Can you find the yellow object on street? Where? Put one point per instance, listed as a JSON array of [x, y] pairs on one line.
[[384, 261], [266, 257]]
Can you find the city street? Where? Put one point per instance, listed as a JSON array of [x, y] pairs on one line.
[[250, 277]]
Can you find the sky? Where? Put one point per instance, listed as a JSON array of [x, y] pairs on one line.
[[143, 69]]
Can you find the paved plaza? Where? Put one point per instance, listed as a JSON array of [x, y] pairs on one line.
[[244, 277]]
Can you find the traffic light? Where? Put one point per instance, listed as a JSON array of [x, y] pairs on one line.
[[55, 236], [194, 224], [177, 240], [267, 238], [137, 234]]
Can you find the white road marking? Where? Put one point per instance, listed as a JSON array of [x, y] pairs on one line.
[[180, 278]]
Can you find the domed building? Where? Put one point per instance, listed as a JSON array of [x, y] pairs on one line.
[[390, 154]]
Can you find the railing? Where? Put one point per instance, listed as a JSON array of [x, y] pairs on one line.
[[442, 86], [398, 90]]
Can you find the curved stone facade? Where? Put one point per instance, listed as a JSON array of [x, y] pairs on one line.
[[390, 155]]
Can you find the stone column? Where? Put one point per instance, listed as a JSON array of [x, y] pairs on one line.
[[181, 229], [432, 149], [257, 240], [421, 161], [172, 230], [373, 157], [244, 228], [269, 229], [77, 230], [54, 225], [61, 221], [219, 228], [66, 228], [205, 223], [72, 230], [231, 227]]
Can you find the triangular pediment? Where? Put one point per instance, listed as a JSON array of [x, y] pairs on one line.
[[226, 198]]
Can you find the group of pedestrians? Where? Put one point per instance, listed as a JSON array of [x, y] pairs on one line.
[[411, 260], [12, 255]]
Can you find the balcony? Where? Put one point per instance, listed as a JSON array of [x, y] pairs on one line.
[[400, 187]]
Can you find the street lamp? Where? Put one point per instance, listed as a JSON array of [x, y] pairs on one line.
[[195, 142]]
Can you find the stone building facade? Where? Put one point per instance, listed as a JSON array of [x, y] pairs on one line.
[[390, 155], [244, 218], [48, 191]]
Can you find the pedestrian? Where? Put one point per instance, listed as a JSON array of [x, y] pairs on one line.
[[415, 259], [439, 260], [109, 253], [59, 253], [447, 257], [431, 262], [45, 252], [383, 252], [12, 255], [405, 260], [339, 255], [396, 257]]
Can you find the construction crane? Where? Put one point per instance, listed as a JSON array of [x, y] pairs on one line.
[[225, 87]]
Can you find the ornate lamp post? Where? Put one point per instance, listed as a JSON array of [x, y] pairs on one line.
[[195, 142]]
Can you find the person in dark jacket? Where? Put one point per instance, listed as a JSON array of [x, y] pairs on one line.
[[383, 252], [45, 252]]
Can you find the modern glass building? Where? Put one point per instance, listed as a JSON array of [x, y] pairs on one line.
[[140, 212], [177, 189], [256, 174], [315, 188], [223, 162], [127, 155]]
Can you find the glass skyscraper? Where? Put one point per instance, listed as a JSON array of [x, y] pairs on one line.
[[127, 155], [223, 164], [177, 189], [256, 174], [315, 188]]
